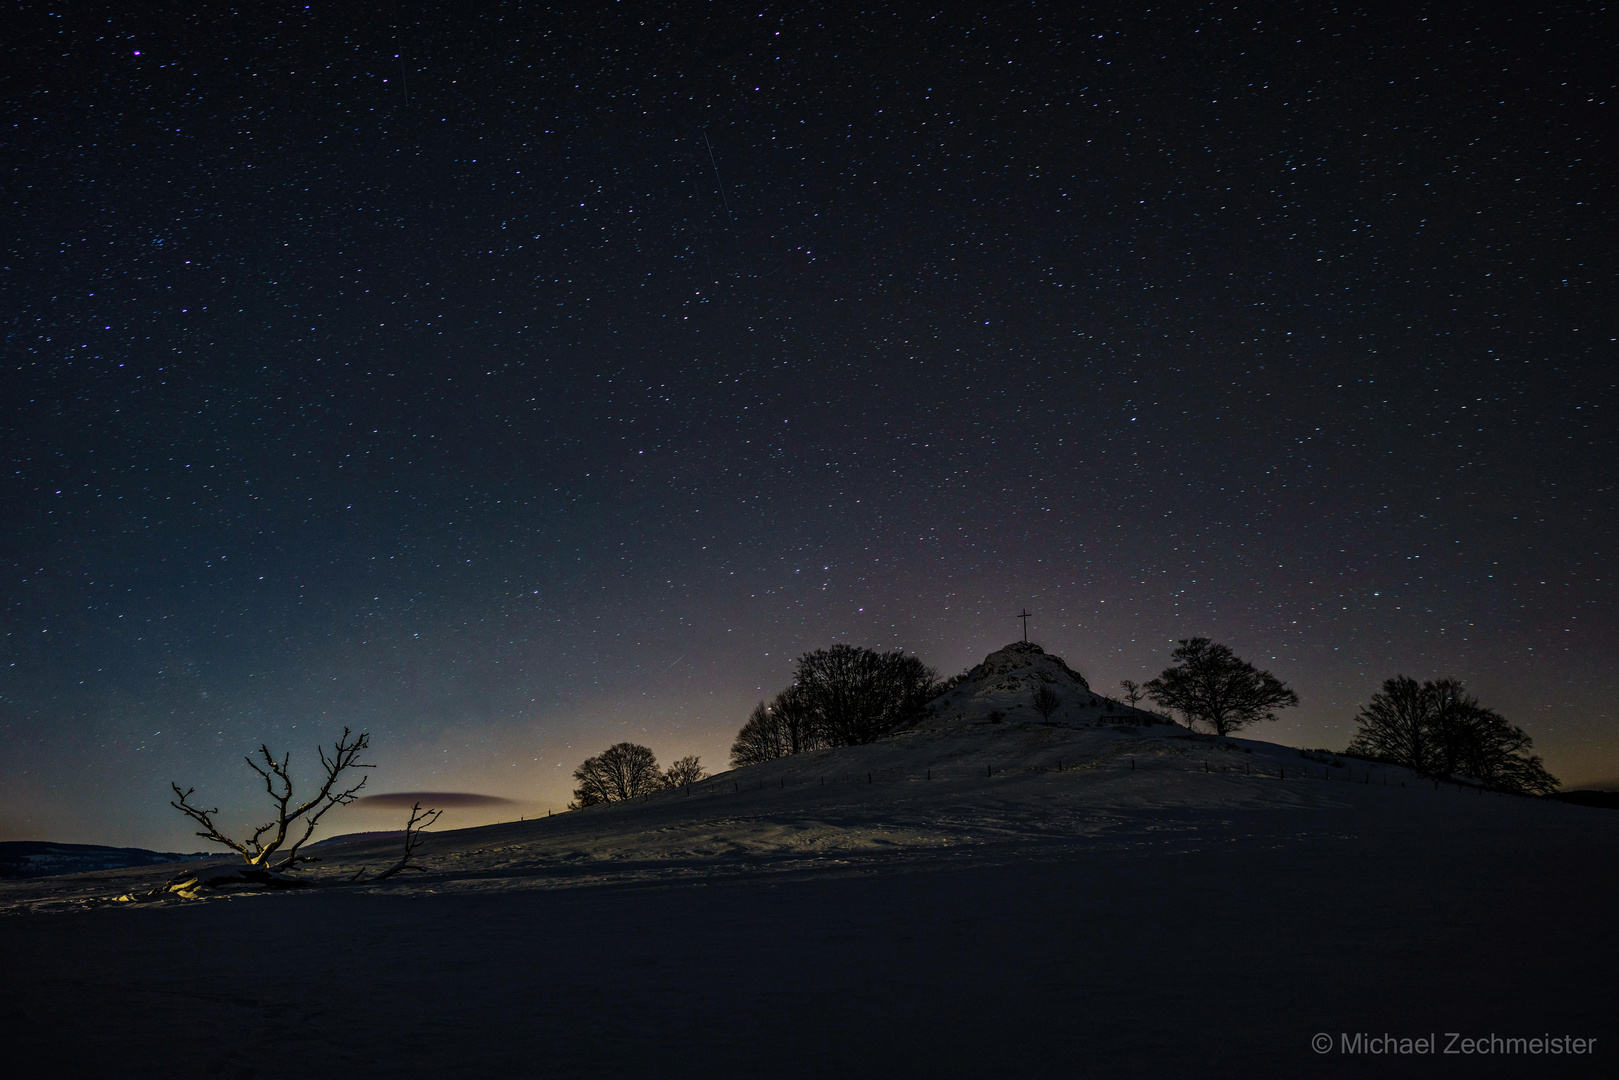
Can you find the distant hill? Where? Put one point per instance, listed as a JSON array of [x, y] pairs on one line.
[[40, 858], [1608, 800], [378, 834]]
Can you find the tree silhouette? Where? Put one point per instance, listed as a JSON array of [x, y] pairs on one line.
[[1132, 692], [688, 770], [260, 849], [761, 738], [951, 683], [795, 717], [1210, 683], [623, 771], [1396, 725], [842, 696], [419, 820], [1046, 702], [856, 695], [1438, 729]]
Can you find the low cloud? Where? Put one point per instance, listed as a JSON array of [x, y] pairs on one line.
[[431, 800]]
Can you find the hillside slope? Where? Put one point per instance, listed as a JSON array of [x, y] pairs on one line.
[[968, 898]]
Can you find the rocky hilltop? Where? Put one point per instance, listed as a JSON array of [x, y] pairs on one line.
[[1003, 686]]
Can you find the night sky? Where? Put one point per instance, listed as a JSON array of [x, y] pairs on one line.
[[508, 382]]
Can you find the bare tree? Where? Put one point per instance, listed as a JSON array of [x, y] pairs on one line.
[[1438, 729], [762, 738], [688, 770], [858, 694], [949, 684], [623, 771], [1395, 726], [796, 718], [1212, 684], [1046, 702], [1497, 753], [842, 696], [261, 848], [419, 820], [1132, 692]]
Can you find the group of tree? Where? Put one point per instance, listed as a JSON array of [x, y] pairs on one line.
[[842, 696], [1438, 729], [622, 771], [627, 771], [849, 696], [1434, 728]]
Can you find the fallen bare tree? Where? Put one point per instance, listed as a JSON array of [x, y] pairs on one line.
[[262, 848], [193, 886], [419, 820]]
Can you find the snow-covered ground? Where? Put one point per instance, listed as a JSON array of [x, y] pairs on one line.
[[971, 898]]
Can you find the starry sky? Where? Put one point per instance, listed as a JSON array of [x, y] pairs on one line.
[[510, 380]]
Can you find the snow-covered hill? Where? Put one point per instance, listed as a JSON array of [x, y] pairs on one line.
[[1084, 895], [1004, 685], [984, 774]]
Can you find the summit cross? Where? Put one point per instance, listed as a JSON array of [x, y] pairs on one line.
[[1025, 616]]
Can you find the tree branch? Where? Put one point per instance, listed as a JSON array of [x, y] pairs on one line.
[[277, 777], [203, 818], [344, 756], [419, 820]]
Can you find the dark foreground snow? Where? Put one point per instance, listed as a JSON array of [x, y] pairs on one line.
[[799, 919]]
